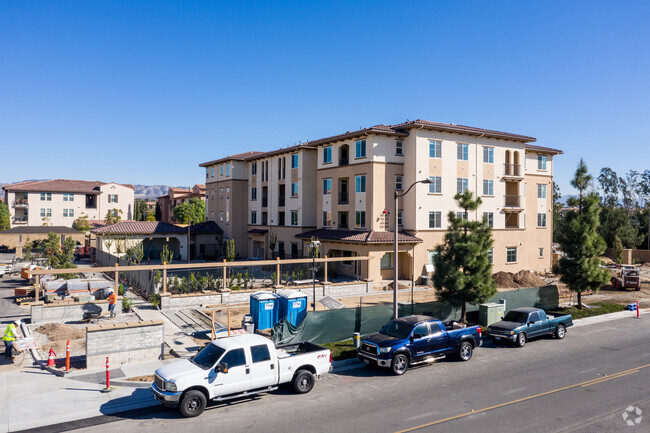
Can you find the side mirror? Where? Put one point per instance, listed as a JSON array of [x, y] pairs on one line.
[[531, 323], [417, 336], [411, 338], [221, 368]]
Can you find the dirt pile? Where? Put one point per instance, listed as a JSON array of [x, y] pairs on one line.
[[60, 332], [508, 280]]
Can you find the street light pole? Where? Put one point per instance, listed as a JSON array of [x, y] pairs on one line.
[[396, 246]]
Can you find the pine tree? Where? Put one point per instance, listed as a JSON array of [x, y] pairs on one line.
[[158, 212], [5, 223], [463, 269], [580, 242]]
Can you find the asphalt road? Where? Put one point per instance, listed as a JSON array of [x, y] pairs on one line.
[[583, 383]]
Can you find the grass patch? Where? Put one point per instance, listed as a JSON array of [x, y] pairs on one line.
[[342, 350], [597, 309]]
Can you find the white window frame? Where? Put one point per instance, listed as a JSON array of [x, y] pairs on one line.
[[488, 155], [253, 217], [541, 190], [436, 147], [436, 186], [462, 151], [463, 183], [293, 215], [327, 186], [358, 216], [294, 160], [327, 155], [399, 182], [437, 219], [510, 250], [360, 183], [399, 147], [360, 149], [541, 162], [488, 187], [386, 261], [541, 220], [489, 217], [297, 191]]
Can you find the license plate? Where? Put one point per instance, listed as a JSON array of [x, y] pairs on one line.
[[498, 338], [366, 361]]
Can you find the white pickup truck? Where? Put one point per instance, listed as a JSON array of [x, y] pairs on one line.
[[237, 367]]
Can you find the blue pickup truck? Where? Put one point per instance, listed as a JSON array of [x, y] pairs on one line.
[[521, 324], [416, 340]]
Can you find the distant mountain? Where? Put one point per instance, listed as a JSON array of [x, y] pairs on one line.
[[141, 191]]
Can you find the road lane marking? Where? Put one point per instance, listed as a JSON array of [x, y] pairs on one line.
[[554, 391]]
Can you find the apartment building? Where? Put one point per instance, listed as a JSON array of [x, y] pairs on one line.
[[358, 172], [176, 197], [59, 202]]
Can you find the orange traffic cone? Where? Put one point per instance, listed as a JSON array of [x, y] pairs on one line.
[[50, 359]]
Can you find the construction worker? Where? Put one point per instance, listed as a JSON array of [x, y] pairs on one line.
[[112, 299], [9, 336]]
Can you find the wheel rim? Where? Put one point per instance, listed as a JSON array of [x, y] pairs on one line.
[[560, 332], [304, 382], [400, 364], [193, 404], [465, 351], [522, 339]]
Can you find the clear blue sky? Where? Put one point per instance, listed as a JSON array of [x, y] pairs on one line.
[[142, 92]]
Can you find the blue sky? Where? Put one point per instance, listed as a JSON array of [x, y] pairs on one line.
[[142, 92]]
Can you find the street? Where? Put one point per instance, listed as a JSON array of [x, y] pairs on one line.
[[582, 383]]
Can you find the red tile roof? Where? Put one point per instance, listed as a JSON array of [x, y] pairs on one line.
[[355, 236], [451, 127], [140, 228], [380, 129], [543, 149], [60, 185]]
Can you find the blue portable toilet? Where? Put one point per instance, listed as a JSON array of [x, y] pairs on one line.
[[264, 309], [293, 306]]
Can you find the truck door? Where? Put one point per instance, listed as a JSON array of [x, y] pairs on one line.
[[438, 337], [420, 345], [238, 377], [535, 325], [264, 371]]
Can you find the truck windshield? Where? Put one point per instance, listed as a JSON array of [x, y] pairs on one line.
[[397, 329], [208, 356], [516, 316]]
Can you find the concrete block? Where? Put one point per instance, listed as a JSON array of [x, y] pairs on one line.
[[76, 285], [84, 298]]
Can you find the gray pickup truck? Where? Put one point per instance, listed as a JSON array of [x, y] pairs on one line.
[[521, 324]]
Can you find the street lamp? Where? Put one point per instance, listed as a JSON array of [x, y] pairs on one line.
[[396, 245]]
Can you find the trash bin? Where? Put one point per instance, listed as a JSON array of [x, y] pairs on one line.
[[490, 313], [264, 309], [247, 324], [293, 306], [425, 280]]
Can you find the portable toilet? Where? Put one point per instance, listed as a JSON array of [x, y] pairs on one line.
[[264, 309], [490, 313], [293, 306]]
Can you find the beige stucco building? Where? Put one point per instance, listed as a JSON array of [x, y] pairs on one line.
[[340, 189], [18, 237], [59, 202]]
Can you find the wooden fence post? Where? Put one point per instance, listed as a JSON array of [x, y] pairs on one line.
[[277, 272], [165, 277], [224, 273], [325, 279], [117, 277]]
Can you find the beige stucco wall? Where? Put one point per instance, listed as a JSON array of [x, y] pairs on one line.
[[17, 241]]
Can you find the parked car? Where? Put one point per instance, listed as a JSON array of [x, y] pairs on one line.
[[627, 277], [237, 367], [415, 340], [521, 324]]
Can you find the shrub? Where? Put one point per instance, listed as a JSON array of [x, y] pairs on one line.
[[127, 304], [154, 299]]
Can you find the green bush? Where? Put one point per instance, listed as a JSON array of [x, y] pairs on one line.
[[127, 304], [154, 299], [597, 309], [342, 349]]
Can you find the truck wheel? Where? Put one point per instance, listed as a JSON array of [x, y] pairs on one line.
[[399, 365], [303, 382], [521, 339], [560, 332], [192, 404], [465, 351]]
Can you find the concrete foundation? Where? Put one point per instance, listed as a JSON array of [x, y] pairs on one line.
[[124, 343]]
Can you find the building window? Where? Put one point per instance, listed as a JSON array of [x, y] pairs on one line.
[[462, 184], [294, 160], [254, 168], [253, 217], [462, 151], [399, 182], [541, 220], [541, 162], [207, 172], [436, 186], [220, 192], [489, 218], [360, 219], [435, 149], [400, 222], [511, 255], [541, 253], [294, 218], [488, 155], [360, 182], [431, 256], [221, 169], [490, 255], [68, 213], [254, 193], [361, 148], [68, 196], [541, 191], [280, 218], [265, 218], [46, 196], [386, 261], [221, 216], [327, 155], [227, 192], [112, 198], [65, 213], [399, 147], [227, 169], [294, 189], [327, 219], [462, 215], [211, 216], [212, 171], [488, 187], [327, 186], [435, 219]]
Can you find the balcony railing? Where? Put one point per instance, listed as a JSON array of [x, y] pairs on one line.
[[343, 198], [21, 203], [19, 220], [512, 201], [512, 170]]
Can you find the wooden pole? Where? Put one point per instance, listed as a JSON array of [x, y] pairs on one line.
[[37, 286], [213, 325], [165, 278], [277, 272], [228, 323], [117, 277], [224, 273], [325, 269]]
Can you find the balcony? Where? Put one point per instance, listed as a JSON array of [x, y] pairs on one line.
[[512, 203], [343, 198], [344, 161], [512, 171], [21, 203], [19, 220]]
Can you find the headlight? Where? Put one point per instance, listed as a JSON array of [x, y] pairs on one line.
[[384, 349], [512, 332], [170, 386]]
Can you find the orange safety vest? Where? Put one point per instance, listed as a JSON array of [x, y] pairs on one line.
[[112, 298]]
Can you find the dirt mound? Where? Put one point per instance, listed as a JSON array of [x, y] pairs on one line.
[[508, 280], [59, 332]]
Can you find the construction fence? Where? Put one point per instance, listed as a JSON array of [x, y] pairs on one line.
[[336, 325], [143, 280]]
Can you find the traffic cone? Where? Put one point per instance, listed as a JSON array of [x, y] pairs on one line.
[[50, 359]]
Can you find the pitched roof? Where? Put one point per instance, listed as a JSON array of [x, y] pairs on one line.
[[238, 157], [307, 146], [41, 230], [544, 149], [207, 228], [355, 236], [377, 129], [60, 185], [258, 231], [451, 127], [140, 228]]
